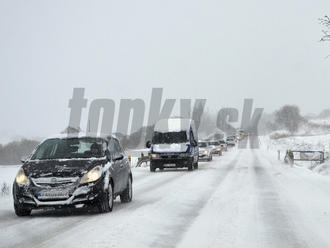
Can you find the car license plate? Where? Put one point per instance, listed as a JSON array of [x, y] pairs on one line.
[[53, 194], [169, 165]]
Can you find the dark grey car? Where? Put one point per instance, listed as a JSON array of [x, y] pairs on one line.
[[66, 172]]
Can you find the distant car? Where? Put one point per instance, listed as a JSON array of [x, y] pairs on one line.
[[240, 135], [223, 145], [231, 141], [66, 172], [205, 151], [216, 147]]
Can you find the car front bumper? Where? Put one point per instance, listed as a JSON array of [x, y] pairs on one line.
[[27, 196], [204, 156]]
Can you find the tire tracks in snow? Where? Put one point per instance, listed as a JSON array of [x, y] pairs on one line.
[[277, 229], [179, 228]]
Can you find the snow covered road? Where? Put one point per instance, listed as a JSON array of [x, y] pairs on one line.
[[243, 199]]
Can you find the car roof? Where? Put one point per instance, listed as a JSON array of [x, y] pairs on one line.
[[82, 135]]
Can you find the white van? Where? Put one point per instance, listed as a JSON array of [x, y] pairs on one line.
[[174, 144]]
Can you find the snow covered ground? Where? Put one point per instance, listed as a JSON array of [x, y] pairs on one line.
[[246, 198]]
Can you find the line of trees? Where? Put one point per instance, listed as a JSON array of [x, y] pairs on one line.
[[12, 152]]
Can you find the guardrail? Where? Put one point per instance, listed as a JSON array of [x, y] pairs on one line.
[[142, 159], [308, 156]]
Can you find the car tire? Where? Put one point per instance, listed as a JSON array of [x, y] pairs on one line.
[[127, 194], [20, 211], [106, 202]]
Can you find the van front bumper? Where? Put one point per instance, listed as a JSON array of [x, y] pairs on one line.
[[171, 162]]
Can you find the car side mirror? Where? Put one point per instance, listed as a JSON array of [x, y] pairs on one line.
[[24, 159], [108, 155], [148, 144], [118, 157]]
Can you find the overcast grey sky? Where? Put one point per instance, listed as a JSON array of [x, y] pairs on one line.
[[221, 50]]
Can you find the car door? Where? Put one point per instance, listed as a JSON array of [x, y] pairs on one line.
[[125, 168], [122, 164], [115, 166]]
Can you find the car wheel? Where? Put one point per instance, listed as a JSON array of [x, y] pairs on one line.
[[127, 194], [106, 202], [20, 211]]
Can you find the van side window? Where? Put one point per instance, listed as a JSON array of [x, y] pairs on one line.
[[191, 138]]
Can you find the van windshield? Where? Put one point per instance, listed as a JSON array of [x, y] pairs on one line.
[[169, 138]]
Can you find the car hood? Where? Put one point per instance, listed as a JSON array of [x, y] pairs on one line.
[[181, 147], [60, 168]]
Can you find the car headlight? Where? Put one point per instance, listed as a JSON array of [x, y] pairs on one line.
[[92, 176], [154, 155], [219, 149], [205, 152], [21, 178]]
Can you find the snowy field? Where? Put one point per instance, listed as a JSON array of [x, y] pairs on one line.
[[245, 198]]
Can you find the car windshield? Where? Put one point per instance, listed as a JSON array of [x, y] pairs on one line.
[[222, 142], [70, 148], [202, 144], [170, 137], [214, 143]]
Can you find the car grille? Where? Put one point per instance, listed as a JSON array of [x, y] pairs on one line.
[[54, 181]]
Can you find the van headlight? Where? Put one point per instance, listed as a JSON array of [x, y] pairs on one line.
[[21, 178], [154, 155], [92, 176]]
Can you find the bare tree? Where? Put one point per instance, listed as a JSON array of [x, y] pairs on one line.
[[325, 22], [289, 118]]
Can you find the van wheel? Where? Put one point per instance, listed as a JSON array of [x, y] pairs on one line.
[[196, 166], [106, 202], [152, 167], [19, 211], [191, 166], [127, 194]]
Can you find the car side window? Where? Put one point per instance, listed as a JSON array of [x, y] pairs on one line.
[[118, 148], [111, 147]]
